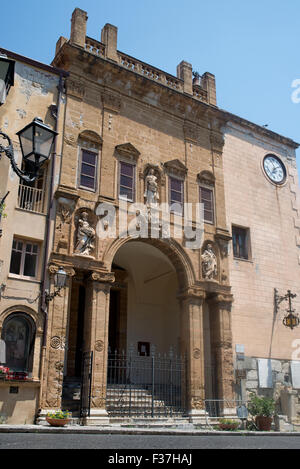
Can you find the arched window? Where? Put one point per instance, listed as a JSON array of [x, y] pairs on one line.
[[17, 336]]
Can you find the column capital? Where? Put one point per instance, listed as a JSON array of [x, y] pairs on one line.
[[192, 293], [222, 298], [53, 269], [103, 277]]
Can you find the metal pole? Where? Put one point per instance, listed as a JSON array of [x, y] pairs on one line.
[[130, 365], [153, 376]]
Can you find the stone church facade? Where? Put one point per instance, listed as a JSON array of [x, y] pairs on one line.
[[135, 135]]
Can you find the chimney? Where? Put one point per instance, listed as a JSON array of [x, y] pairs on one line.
[[208, 83], [185, 73], [61, 41], [109, 37], [78, 27]]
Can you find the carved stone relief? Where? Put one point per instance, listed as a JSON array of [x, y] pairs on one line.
[[209, 263]]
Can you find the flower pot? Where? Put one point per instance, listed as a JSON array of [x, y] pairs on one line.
[[57, 422], [228, 426], [263, 423]]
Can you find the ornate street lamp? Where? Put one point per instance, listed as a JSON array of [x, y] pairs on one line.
[[60, 279], [291, 319], [36, 140]]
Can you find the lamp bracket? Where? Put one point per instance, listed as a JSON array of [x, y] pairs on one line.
[[9, 152]]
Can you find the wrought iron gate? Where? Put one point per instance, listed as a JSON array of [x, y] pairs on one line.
[[146, 386], [86, 380]]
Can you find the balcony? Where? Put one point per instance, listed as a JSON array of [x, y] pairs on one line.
[[31, 199]]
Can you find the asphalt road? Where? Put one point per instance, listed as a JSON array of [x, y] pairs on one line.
[[141, 442]]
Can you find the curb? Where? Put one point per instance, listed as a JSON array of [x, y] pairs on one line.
[[134, 431]]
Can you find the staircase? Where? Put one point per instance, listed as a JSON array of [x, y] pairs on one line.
[[136, 401]]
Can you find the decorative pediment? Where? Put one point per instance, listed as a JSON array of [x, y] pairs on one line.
[[88, 137], [128, 150], [176, 167], [206, 177]]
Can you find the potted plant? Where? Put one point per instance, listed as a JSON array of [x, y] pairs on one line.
[[4, 370], [58, 418], [228, 424], [262, 409]]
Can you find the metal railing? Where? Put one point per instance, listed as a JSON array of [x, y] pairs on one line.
[[145, 386], [31, 199], [216, 409]]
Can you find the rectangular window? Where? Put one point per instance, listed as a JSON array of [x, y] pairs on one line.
[[127, 181], [24, 258], [176, 195], [207, 199], [241, 244], [88, 169]]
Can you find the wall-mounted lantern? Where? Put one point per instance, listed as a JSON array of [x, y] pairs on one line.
[[291, 319], [36, 140], [60, 279]]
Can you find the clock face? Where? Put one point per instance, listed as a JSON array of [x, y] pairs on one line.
[[274, 169]]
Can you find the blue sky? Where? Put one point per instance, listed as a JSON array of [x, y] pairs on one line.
[[252, 47]]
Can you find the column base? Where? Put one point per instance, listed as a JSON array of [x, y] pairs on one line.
[[97, 417], [197, 417]]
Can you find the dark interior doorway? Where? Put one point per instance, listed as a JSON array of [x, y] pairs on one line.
[[114, 322], [76, 330]]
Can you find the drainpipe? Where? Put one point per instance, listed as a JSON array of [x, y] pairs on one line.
[[43, 304], [1, 207]]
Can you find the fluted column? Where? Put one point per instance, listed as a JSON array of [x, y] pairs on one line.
[[96, 340]]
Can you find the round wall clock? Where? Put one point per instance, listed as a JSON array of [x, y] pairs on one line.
[[274, 169]]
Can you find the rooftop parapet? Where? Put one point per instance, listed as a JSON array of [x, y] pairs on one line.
[[202, 88]]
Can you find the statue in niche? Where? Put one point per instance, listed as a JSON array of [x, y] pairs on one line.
[[209, 263], [85, 236], [151, 188]]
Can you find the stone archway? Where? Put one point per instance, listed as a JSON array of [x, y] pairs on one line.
[[186, 327], [170, 247]]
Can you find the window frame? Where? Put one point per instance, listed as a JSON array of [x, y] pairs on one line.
[[94, 151], [22, 260], [211, 189], [133, 165], [247, 239], [181, 180]]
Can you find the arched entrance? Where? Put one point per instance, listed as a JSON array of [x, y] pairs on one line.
[[144, 308], [146, 367]]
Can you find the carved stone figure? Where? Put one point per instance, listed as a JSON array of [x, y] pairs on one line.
[[209, 263], [151, 188], [85, 236]]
